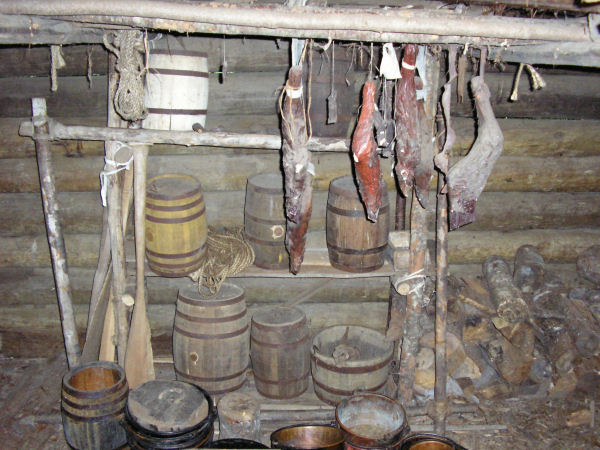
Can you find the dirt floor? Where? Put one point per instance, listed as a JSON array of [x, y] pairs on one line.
[[30, 413]]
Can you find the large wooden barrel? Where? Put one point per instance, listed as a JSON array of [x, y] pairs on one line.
[[176, 95], [93, 399], [264, 220], [211, 339], [279, 349], [175, 225], [347, 359], [354, 243]]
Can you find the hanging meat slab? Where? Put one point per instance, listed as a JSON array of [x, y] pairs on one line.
[[408, 137], [297, 168], [364, 153], [467, 178]]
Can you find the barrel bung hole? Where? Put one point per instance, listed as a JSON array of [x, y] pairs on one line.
[[94, 379], [194, 357]]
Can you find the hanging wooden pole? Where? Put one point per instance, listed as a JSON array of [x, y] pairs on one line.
[[58, 251]]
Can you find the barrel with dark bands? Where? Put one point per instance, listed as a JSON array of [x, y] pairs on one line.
[[175, 225], [211, 339], [93, 400], [279, 348], [264, 220], [354, 243]]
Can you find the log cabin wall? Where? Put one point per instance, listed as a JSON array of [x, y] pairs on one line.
[[544, 190]]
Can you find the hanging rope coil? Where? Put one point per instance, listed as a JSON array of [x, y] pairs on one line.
[[130, 48], [227, 254]]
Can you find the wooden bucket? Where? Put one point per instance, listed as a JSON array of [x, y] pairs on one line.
[[354, 243], [93, 399], [211, 339], [264, 220], [176, 93], [175, 225], [279, 348], [365, 369]]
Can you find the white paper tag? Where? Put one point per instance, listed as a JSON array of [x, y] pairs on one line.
[[389, 67]]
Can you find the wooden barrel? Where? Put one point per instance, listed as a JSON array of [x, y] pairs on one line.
[[175, 225], [346, 359], [279, 349], [93, 399], [211, 339], [176, 93], [264, 220], [354, 243]]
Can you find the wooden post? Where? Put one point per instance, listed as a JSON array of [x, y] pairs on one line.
[[55, 237]]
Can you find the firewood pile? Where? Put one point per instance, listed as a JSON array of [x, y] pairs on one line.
[[518, 331]]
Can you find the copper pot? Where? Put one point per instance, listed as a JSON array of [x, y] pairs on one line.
[[429, 441], [308, 437]]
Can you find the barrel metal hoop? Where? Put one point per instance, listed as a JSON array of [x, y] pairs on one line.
[[265, 221], [212, 336], [209, 303], [210, 319], [185, 207], [281, 345], [211, 379], [178, 72], [91, 419], [345, 392], [171, 220], [362, 369], [352, 251], [279, 243], [170, 52], [175, 255], [263, 190], [177, 112], [94, 394], [354, 212], [274, 327], [286, 381], [73, 405]]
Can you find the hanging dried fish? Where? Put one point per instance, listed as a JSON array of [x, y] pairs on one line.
[[297, 168], [407, 123], [364, 153], [441, 159], [424, 169], [467, 178]]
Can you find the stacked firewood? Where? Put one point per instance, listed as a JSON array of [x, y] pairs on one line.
[[518, 331]]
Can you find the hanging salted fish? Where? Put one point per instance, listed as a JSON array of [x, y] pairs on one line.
[[364, 153], [408, 134], [467, 178], [441, 159], [297, 167], [332, 99]]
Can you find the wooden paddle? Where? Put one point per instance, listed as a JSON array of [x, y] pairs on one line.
[[139, 364]]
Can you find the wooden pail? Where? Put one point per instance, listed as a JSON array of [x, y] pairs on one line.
[[264, 220], [354, 243], [93, 400], [211, 339], [175, 225], [279, 348]]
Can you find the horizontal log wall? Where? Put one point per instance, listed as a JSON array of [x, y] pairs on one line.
[[545, 189]]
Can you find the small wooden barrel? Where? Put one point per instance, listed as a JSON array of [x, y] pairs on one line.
[[264, 220], [354, 243], [346, 359], [176, 89], [279, 348], [175, 225], [211, 339], [93, 399]]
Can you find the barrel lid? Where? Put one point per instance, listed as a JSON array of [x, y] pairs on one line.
[[279, 316], [228, 293], [167, 406], [172, 186], [344, 186], [270, 182], [238, 407]]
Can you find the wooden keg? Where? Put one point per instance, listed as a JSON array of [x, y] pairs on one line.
[[347, 359], [93, 399], [176, 95], [175, 225], [354, 243], [264, 220], [211, 339], [279, 349]]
